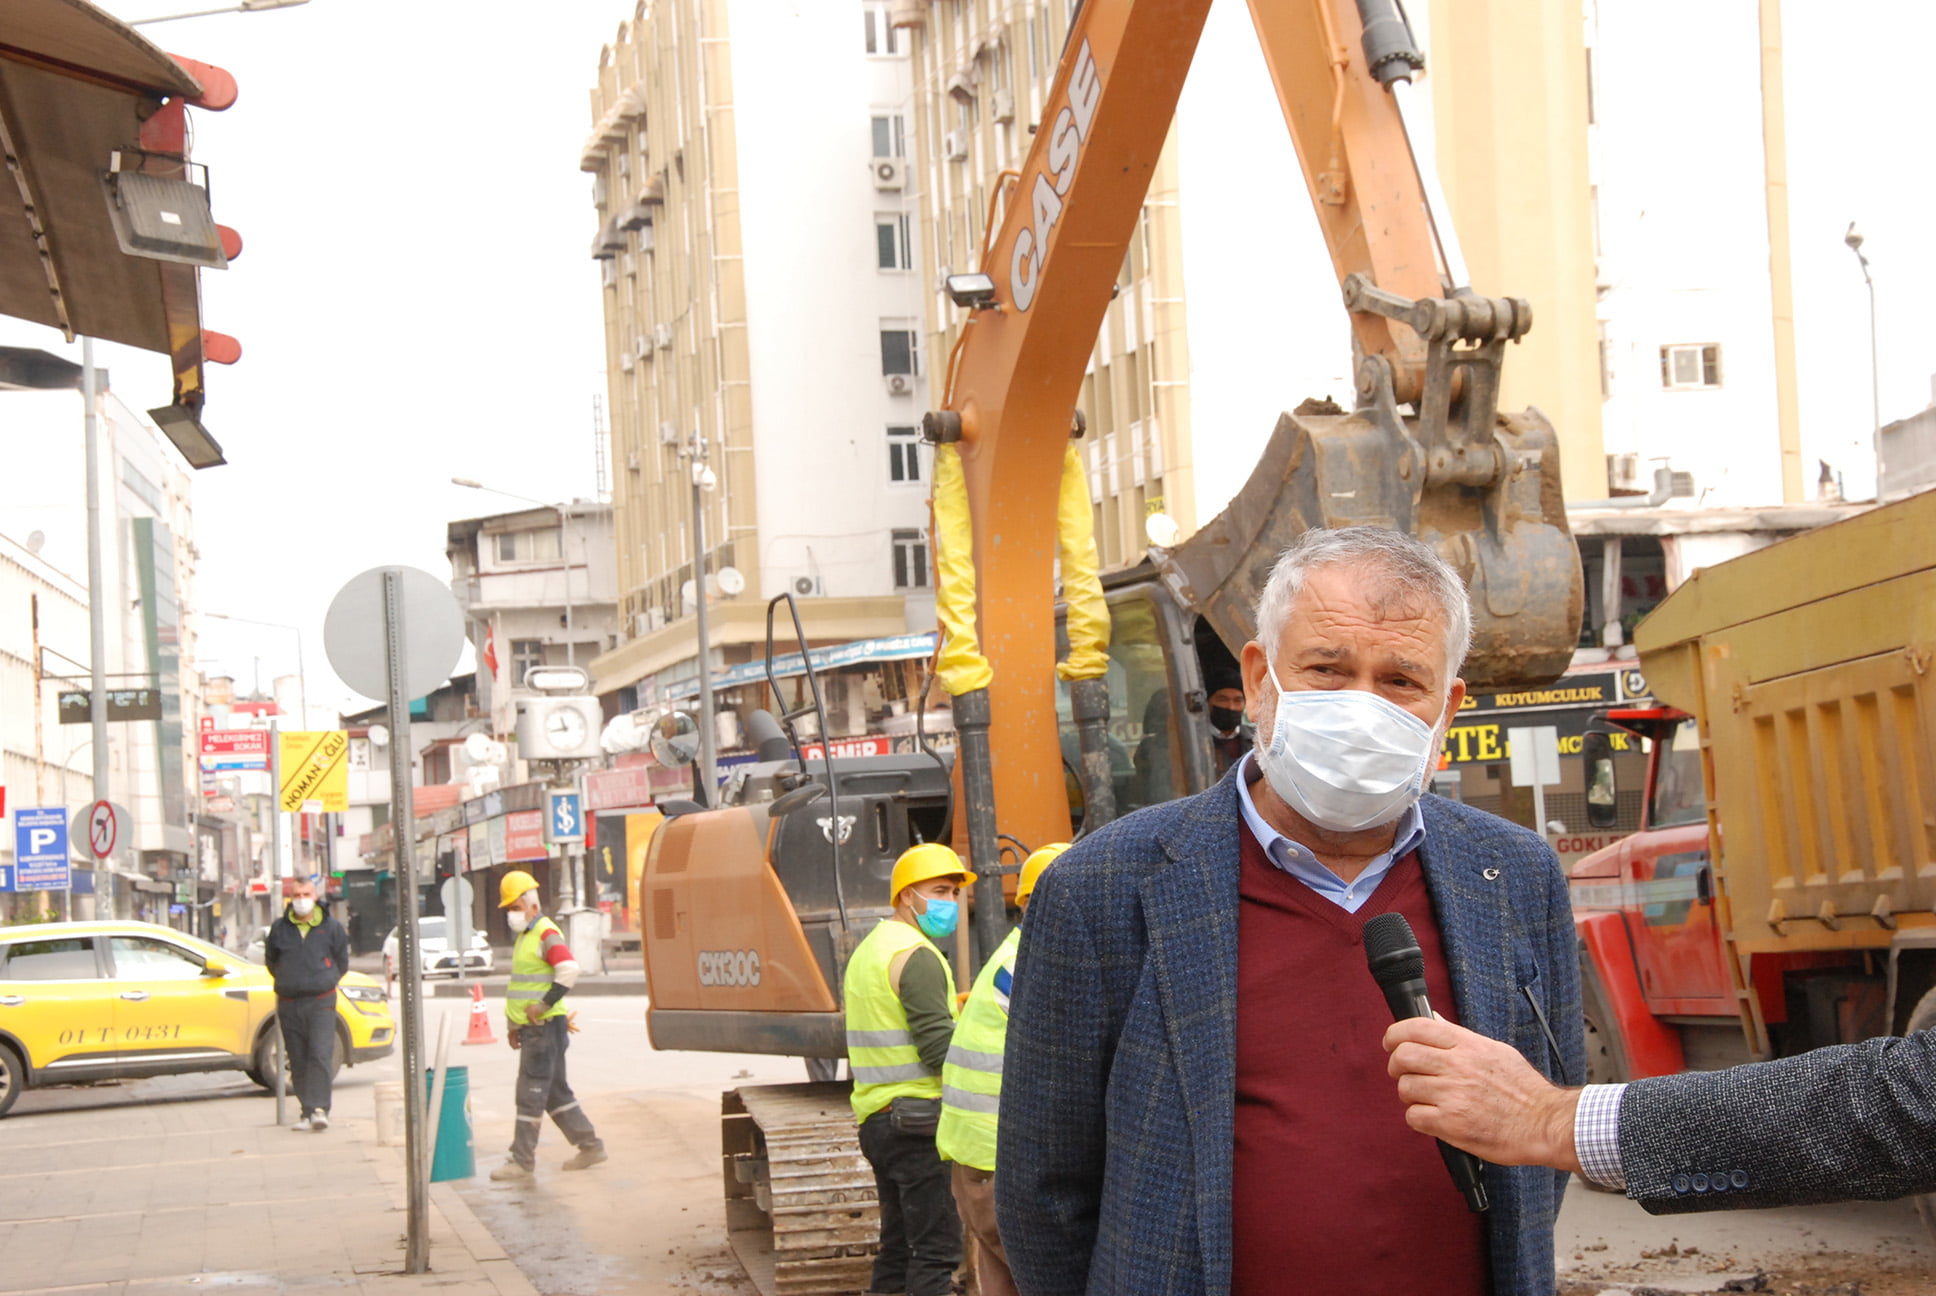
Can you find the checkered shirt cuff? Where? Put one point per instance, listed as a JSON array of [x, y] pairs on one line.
[[1596, 1134]]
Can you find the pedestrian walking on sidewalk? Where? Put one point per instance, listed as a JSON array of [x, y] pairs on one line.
[[543, 971], [307, 952]]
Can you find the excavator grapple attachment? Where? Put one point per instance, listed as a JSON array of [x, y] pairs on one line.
[[1493, 509]]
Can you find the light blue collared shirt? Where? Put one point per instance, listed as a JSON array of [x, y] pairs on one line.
[[1304, 866]]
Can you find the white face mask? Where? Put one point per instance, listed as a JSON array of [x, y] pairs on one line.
[[303, 905], [518, 919], [1345, 759]]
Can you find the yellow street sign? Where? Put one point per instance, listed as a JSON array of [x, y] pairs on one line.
[[315, 771]]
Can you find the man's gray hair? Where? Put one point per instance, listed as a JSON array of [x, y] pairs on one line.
[[1401, 575]]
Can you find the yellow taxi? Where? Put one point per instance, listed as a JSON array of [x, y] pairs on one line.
[[114, 1000]]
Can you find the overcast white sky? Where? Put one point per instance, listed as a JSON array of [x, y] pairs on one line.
[[416, 299]]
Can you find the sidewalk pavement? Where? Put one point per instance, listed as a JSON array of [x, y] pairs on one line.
[[114, 1193]]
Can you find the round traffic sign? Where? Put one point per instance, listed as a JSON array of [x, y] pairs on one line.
[[431, 635], [103, 829]]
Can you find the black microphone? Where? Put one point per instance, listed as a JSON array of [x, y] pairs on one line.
[[1398, 965]]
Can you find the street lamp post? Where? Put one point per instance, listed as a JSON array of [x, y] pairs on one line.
[[703, 480], [302, 677], [564, 552], [97, 626], [1854, 239]]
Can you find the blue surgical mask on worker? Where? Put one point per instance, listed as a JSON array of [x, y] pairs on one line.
[[1344, 759], [939, 919]]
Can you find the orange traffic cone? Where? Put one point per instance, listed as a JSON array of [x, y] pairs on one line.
[[480, 1032]]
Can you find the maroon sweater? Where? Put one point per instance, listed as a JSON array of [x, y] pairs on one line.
[[1331, 1191]]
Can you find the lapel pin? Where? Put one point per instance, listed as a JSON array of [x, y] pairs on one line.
[[1491, 874]]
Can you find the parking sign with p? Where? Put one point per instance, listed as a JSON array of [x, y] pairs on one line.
[[40, 849]]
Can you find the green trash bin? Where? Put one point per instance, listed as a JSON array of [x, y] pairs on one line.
[[451, 1159]]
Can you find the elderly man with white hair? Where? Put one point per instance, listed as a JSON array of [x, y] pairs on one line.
[[1195, 1097]]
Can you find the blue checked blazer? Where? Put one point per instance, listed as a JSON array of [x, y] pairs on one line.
[[1118, 1093]]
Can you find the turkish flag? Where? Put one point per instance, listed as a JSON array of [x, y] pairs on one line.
[[490, 649]]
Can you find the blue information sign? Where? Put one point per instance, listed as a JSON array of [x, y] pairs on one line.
[[40, 849], [564, 823]]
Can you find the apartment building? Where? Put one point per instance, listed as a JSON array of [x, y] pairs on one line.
[[764, 305]]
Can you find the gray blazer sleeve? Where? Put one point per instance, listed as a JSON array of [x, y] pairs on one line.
[[1855, 1120]]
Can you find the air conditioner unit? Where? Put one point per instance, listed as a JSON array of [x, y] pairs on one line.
[[889, 173], [954, 145], [1001, 106], [1623, 472], [900, 384], [662, 334], [626, 362], [668, 433], [645, 237], [633, 462], [641, 346], [805, 586], [608, 273]]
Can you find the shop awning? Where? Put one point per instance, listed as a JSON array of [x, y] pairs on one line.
[[77, 88], [895, 648]]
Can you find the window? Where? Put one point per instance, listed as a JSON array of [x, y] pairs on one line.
[[900, 351], [881, 36], [889, 137], [69, 958], [910, 559], [1690, 368], [891, 242], [142, 958], [904, 454], [528, 546], [525, 653]]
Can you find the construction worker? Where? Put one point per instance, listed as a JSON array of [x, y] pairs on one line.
[[542, 971], [971, 1091], [900, 1003]]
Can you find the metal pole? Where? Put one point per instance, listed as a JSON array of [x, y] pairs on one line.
[[708, 763], [402, 819], [1875, 376], [973, 713], [302, 679], [97, 625], [564, 550]]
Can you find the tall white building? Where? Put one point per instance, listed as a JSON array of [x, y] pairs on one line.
[[763, 308], [148, 569]]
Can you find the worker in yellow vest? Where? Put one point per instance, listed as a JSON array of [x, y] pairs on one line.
[[971, 1092], [542, 972], [900, 1004]]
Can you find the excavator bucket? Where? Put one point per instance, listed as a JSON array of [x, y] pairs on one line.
[[1507, 538]]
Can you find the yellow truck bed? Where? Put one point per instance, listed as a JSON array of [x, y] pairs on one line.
[[1808, 664]]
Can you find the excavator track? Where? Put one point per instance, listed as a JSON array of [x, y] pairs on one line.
[[801, 1210]]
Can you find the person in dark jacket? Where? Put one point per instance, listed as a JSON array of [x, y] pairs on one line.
[[307, 952]]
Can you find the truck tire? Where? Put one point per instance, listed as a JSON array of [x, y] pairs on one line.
[[1922, 1019], [1606, 1053], [13, 1077]]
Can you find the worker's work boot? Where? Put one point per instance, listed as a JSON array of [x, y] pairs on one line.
[[588, 1156], [512, 1172]]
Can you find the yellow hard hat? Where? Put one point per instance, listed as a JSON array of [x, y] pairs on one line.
[[922, 863], [1034, 866], [512, 888]]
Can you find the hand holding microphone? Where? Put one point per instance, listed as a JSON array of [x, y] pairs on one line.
[[1398, 965]]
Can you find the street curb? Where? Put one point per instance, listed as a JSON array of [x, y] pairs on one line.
[[591, 985]]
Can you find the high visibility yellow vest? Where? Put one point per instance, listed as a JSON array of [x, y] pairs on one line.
[[880, 1048], [530, 974], [971, 1081]]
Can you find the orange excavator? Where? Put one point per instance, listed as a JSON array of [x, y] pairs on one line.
[[751, 908]]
